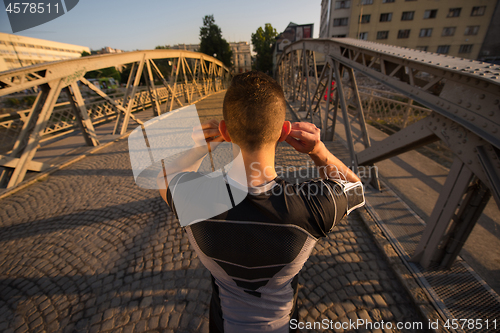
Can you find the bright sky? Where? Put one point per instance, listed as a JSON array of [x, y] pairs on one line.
[[143, 24]]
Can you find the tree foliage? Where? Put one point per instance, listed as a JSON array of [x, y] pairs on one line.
[[162, 47], [262, 41], [212, 43]]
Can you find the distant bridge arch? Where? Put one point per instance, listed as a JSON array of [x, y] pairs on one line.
[[192, 75]]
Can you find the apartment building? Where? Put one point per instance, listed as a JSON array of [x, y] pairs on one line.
[[19, 51], [453, 27], [187, 47], [242, 58]]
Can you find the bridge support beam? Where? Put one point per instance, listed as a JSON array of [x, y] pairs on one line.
[[81, 115], [449, 199], [27, 143], [153, 93], [131, 100]]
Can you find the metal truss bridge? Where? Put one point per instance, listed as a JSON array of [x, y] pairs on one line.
[[441, 99], [192, 75], [452, 101]]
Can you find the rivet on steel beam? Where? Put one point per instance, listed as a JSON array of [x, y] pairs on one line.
[[435, 127], [468, 105], [492, 113], [469, 162], [460, 102], [495, 130], [459, 152], [464, 141], [482, 96], [456, 111], [485, 125]]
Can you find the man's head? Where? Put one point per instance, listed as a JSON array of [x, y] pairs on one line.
[[254, 111]]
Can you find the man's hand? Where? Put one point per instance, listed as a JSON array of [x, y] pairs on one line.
[[209, 133], [305, 138]]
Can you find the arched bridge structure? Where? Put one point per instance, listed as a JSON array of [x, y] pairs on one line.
[[172, 77], [451, 100]]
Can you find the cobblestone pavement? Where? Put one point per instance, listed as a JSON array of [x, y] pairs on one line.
[[86, 250]]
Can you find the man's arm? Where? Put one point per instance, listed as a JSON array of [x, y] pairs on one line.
[[191, 160], [305, 138]]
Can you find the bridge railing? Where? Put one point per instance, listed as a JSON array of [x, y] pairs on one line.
[[190, 76], [63, 119]]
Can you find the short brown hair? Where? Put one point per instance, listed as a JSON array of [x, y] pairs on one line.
[[254, 110]]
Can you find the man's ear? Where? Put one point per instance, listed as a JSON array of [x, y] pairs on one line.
[[285, 130], [223, 131]]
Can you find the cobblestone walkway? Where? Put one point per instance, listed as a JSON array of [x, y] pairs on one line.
[[86, 250]]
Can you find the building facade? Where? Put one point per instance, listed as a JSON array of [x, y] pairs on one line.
[[242, 58], [293, 32], [19, 51], [453, 27], [187, 47]]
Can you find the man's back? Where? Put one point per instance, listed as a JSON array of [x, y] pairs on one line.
[[256, 250]]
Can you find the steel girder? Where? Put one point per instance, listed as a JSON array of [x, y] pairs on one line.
[[465, 97], [192, 73]]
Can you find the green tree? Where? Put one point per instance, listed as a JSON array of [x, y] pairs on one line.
[[262, 41], [162, 47], [212, 43]]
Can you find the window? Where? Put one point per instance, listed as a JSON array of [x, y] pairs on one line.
[[407, 16], [365, 18], [454, 12], [363, 35], [385, 17], [339, 36], [465, 48], [387, 1], [382, 34], [471, 30], [342, 4], [431, 13], [340, 22], [404, 33], [367, 2], [448, 31], [478, 11], [422, 48], [443, 49], [425, 32]]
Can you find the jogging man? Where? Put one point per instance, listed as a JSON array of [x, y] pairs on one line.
[[256, 249]]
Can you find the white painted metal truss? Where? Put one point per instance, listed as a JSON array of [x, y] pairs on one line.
[[193, 75], [463, 101]]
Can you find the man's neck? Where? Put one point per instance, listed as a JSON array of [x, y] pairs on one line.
[[259, 166]]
